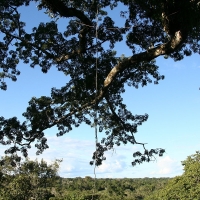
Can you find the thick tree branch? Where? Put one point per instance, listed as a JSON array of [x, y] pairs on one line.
[[148, 55], [166, 48], [59, 7]]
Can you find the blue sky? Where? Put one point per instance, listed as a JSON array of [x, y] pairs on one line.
[[173, 107]]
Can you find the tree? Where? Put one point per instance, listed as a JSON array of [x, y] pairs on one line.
[[97, 77], [28, 179], [186, 186]]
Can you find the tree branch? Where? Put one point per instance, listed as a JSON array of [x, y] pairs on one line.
[[55, 58], [148, 55], [123, 124], [59, 7]]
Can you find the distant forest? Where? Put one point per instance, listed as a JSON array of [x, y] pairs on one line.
[[38, 180], [106, 188]]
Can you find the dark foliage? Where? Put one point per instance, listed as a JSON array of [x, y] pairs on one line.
[[152, 28]]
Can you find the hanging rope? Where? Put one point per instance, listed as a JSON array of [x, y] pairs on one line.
[[96, 114]]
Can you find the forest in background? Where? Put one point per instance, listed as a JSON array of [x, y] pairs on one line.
[[107, 188], [39, 180]]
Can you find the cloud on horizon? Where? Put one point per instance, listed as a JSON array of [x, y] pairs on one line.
[[167, 167], [77, 153]]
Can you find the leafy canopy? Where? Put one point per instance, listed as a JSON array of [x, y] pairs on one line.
[[28, 179], [186, 186], [151, 28]]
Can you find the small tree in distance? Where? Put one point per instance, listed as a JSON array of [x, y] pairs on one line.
[[151, 29]]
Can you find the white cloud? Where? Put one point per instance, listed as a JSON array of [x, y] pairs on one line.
[[77, 153], [113, 165], [167, 167]]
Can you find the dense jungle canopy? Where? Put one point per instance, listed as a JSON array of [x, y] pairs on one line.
[[97, 77]]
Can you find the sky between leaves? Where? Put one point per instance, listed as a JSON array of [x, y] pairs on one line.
[[173, 107]]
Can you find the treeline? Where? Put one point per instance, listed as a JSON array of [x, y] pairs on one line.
[[38, 180], [106, 188]]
